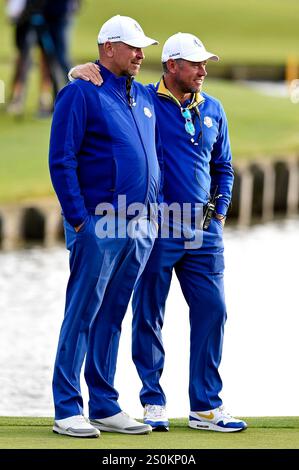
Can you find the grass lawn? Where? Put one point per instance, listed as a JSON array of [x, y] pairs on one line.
[[253, 31], [262, 433], [260, 127]]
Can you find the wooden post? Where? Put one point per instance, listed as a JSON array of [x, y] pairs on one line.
[[292, 72], [245, 213]]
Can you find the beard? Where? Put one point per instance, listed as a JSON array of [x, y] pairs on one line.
[[187, 87]]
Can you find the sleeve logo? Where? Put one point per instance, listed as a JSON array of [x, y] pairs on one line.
[[147, 112], [208, 121]]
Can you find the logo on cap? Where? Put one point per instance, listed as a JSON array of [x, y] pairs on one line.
[[197, 43]]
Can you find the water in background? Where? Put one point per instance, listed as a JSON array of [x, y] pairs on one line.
[[261, 347]]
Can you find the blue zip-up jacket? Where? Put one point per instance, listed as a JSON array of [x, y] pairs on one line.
[[193, 169], [102, 146]]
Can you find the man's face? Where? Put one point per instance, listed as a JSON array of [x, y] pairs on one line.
[[127, 59], [190, 76]]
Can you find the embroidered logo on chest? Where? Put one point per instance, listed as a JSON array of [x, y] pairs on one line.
[[147, 112], [208, 121]]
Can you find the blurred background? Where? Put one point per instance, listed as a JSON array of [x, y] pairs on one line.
[[257, 81]]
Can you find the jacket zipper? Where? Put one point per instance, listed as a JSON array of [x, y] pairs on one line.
[[145, 202]]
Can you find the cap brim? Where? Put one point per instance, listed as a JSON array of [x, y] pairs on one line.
[[201, 57], [141, 42]]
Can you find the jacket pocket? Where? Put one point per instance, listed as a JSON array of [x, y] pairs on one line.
[[84, 226]]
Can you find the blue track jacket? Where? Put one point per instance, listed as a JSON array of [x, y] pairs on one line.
[[102, 146], [194, 167]]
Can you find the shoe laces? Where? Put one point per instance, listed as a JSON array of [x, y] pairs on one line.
[[155, 410], [224, 412]]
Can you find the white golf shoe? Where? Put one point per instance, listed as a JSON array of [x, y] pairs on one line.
[[75, 426], [122, 423]]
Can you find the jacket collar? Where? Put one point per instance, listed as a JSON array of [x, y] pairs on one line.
[[107, 75], [161, 89]]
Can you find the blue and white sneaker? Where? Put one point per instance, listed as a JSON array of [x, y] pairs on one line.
[[215, 420], [155, 415]]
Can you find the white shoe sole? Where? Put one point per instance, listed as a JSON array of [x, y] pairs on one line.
[[204, 426], [64, 432], [102, 427]]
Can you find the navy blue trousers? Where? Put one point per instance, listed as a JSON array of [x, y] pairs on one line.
[[103, 272], [200, 274]]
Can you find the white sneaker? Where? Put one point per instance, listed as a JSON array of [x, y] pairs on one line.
[[156, 416], [215, 420], [121, 422], [75, 426]]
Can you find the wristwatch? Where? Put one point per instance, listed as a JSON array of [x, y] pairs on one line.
[[220, 216]]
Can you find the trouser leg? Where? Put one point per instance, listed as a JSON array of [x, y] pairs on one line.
[[105, 331], [149, 300], [200, 274], [92, 262], [59, 31]]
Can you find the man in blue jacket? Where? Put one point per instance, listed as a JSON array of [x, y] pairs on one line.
[[197, 171], [102, 161], [197, 166]]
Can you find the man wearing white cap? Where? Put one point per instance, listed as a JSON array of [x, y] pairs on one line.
[[198, 171], [102, 147]]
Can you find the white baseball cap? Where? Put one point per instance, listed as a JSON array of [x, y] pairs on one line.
[[124, 29], [186, 46]]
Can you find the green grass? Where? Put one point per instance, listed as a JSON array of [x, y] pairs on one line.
[[24, 170], [263, 433], [253, 31], [260, 127]]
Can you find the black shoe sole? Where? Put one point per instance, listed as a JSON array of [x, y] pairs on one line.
[[160, 429]]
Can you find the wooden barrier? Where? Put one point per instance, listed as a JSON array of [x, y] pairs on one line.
[[262, 191]]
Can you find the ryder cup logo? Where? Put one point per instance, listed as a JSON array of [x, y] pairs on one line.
[[147, 112], [208, 121]]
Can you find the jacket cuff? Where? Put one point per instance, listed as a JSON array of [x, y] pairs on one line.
[[221, 208], [69, 75]]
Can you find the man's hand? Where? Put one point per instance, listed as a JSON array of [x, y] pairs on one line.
[[89, 72], [221, 217], [78, 227]]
